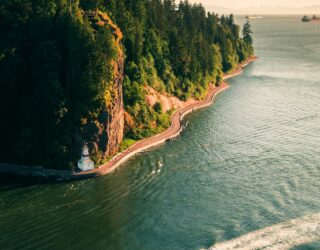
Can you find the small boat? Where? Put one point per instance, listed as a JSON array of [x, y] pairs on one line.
[[254, 17]]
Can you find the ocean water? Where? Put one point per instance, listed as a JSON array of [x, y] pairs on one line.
[[248, 167]]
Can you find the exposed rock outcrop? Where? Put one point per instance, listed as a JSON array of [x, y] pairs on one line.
[[115, 122], [110, 125], [167, 102]]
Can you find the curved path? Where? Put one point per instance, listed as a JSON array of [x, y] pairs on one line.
[[172, 132]]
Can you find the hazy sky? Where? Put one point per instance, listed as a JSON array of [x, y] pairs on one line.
[[255, 3]]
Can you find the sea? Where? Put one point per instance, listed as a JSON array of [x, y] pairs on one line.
[[244, 174]]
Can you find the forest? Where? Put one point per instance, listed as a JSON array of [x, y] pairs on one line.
[[60, 62]]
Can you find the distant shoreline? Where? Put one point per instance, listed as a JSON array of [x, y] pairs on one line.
[[172, 132]]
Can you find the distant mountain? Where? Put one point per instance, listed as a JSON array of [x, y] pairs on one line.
[[267, 10]]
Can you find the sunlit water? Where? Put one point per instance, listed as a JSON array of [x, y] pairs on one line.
[[249, 162]]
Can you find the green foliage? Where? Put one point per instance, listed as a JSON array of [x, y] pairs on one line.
[[56, 68], [247, 33], [179, 49], [217, 65], [133, 93], [54, 71], [247, 45], [126, 143], [163, 122], [158, 107]]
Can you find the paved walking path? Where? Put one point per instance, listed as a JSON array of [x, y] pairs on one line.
[[172, 132]]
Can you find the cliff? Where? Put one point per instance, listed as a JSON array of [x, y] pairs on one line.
[[109, 126], [64, 83]]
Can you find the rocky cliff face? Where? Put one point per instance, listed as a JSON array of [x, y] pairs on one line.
[[108, 128], [115, 121], [167, 102]]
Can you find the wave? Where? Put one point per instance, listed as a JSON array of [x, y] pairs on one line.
[[282, 236]]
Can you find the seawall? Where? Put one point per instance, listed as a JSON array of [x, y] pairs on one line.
[[172, 132]]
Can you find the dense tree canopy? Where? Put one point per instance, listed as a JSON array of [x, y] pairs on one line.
[[175, 47], [182, 42], [56, 66]]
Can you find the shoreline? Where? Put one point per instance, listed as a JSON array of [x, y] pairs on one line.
[[172, 132]]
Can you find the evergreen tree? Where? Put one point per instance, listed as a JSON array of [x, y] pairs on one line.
[[247, 33], [56, 68]]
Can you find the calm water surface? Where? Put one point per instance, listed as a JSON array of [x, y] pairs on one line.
[[250, 161]]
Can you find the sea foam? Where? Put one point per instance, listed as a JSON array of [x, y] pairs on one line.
[[281, 236]]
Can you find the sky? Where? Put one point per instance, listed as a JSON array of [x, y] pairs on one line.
[[256, 3]]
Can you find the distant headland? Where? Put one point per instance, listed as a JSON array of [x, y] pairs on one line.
[[313, 19]]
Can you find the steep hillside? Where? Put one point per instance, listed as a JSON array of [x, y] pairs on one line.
[[110, 125], [61, 72], [107, 73]]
